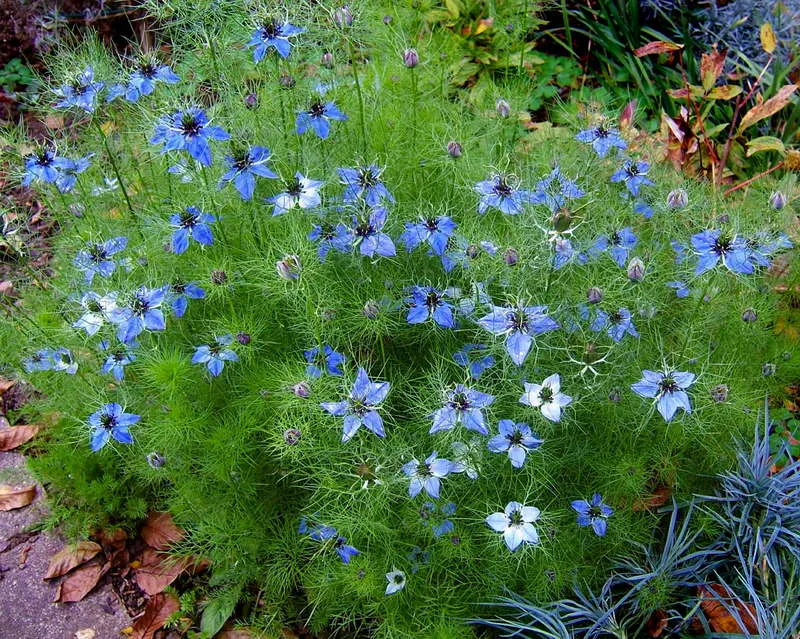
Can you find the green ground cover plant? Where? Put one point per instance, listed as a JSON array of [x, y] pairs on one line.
[[384, 354]]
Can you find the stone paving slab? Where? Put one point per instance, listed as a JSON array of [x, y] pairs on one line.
[[27, 610]]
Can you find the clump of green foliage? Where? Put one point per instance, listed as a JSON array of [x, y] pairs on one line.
[[240, 458]]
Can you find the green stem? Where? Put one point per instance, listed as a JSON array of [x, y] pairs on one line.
[[360, 98], [118, 175], [214, 204], [693, 315]]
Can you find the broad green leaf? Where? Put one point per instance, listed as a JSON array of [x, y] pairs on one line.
[[765, 143]]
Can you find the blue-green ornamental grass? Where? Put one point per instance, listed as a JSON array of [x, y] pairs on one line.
[[390, 313]]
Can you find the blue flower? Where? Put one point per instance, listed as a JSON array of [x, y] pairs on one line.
[[617, 324], [426, 476], [602, 140], [669, 390], [41, 360], [680, 251], [143, 313], [426, 302], [116, 361], [111, 421], [368, 234], [762, 247], [96, 310], [179, 295], [81, 93], [514, 439], [244, 167], [519, 324], [191, 223], [435, 230], [711, 247], [681, 290], [501, 193], [331, 361], [618, 244], [516, 523], [477, 366], [364, 182], [214, 356], [322, 533], [63, 361], [633, 175], [273, 34], [318, 118], [463, 405], [329, 237], [95, 259], [555, 190], [564, 252], [69, 170], [142, 81], [359, 408], [300, 192], [594, 514], [418, 557], [643, 208], [430, 509], [188, 131], [43, 165]]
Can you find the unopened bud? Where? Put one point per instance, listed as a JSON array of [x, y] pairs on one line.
[[327, 60], [251, 100], [777, 200], [454, 149], [289, 267], [594, 295], [677, 199], [155, 460], [410, 58], [614, 396], [218, 277], [301, 389], [749, 315], [343, 17], [719, 393], [243, 338], [472, 251], [371, 309], [286, 81], [636, 270], [292, 436], [502, 107], [768, 370], [510, 256]]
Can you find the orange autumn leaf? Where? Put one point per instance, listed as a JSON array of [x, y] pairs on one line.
[[14, 436], [158, 570], [717, 602], [158, 610], [160, 532]]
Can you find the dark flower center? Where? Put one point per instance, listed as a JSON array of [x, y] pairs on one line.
[[190, 125], [118, 356], [359, 407], [179, 288], [517, 321], [97, 253], [140, 306], [546, 394], [432, 224], [615, 238], [515, 438], [615, 317], [366, 178], [502, 188], [460, 401], [270, 30], [44, 158], [79, 88], [294, 188], [432, 300], [722, 246], [147, 70], [108, 421], [516, 518], [632, 170], [668, 385], [317, 110], [215, 349], [93, 307], [241, 160], [188, 219], [398, 579], [594, 512], [602, 132], [37, 357], [365, 229], [327, 230]]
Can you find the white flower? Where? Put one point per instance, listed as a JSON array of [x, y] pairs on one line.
[[547, 396], [516, 524], [300, 192], [396, 581], [96, 309]]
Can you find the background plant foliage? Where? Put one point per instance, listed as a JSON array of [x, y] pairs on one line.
[[231, 478]]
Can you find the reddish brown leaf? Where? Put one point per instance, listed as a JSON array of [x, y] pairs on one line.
[[15, 436], [711, 65], [6, 384], [158, 570], [626, 117], [157, 611], [160, 532], [658, 498], [70, 557], [718, 613], [659, 46], [11, 498], [80, 582], [113, 539], [657, 623], [237, 633], [768, 108]]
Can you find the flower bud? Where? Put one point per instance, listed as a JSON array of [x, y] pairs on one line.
[[387, 19], [719, 393], [410, 58], [454, 149], [562, 220], [327, 60], [636, 270], [502, 107], [777, 200], [292, 436], [301, 389], [768, 370], [343, 17], [289, 267], [218, 276], [749, 315], [251, 100], [286, 81], [371, 309], [614, 396], [155, 460], [594, 295], [243, 338], [472, 251], [677, 199], [510, 256], [327, 314]]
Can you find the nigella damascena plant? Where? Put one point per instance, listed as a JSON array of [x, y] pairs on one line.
[[81, 93], [364, 183], [244, 165], [273, 35], [96, 258], [359, 408], [603, 139], [668, 388], [318, 117], [300, 192], [427, 475], [111, 422], [215, 355], [462, 406], [502, 192], [289, 267], [519, 325], [191, 224], [516, 524], [189, 131], [142, 81], [547, 397], [425, 303]]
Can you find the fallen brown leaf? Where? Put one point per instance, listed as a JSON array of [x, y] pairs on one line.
[[157, 611], [657, 623], [15, 436], [23, 555], [158, 570], [70, 557], [80, 582], [160, 532], [6, 384], [236, 633], [658, 498], [12, 498], [719, 617]]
